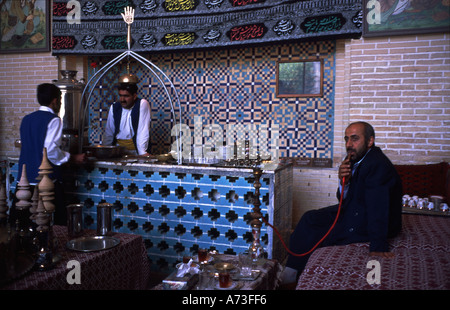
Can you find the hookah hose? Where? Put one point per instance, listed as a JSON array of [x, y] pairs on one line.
[[320, 241]]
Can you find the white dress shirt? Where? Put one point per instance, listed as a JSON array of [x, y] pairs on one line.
[[126, 131], [53, 140]]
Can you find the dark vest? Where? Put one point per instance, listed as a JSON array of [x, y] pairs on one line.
[[117, 111], [33, 131]]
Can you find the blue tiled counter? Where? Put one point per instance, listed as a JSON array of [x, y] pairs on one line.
[[178, 208]]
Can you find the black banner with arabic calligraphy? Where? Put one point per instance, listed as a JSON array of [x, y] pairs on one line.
[[97, 26]]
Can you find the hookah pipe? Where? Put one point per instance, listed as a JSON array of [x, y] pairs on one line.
[[281, 238]]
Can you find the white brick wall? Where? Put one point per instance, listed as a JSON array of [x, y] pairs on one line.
[[401, 86], [19, 76]]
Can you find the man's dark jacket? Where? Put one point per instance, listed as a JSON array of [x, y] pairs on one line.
[[372, 208]]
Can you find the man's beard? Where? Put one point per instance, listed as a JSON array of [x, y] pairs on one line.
[[356, 156]]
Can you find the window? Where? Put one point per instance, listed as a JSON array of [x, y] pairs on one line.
[[299, 78]]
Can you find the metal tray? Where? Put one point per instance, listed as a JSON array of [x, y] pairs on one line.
[[92, 244]]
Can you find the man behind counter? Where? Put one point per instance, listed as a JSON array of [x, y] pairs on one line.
[[43, 128], [128, 122]]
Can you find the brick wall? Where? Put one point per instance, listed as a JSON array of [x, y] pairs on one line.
[[402, 86], [19, 76]]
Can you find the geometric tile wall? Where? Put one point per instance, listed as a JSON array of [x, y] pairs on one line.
[[230, 86], [175, 211]]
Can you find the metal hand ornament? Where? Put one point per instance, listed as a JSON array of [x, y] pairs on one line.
[[128, 15]]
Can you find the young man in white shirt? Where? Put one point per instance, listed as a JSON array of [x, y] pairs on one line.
[[43, 129]]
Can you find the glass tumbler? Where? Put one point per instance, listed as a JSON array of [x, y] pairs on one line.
[[74, 220], [104, 219]]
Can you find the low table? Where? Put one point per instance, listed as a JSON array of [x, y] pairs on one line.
[[122, 267], [268, 274]]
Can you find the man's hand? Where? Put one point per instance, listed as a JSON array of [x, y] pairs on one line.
[[345, 170], [78, 158], [382, 254]]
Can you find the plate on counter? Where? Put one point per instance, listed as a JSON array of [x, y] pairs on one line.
[[92, 244]]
